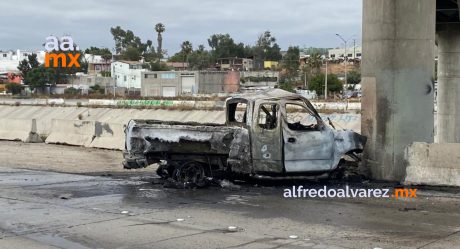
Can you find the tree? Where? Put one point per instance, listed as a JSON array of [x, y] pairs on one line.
[[158, 66], [333, 83], [223, 46], [160, 28], [266, 47], [186, 49], [291, 63], [314, 63], [131, 54], [199, 59], [354, 77], [28, 64], [103, 52], [24, 67], [126, 42], [39, 77]]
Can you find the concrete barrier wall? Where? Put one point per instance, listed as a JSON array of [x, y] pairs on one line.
[[116, 118], [109, 136], [433, 164], [72, 132], [204, 104], [24, 130]]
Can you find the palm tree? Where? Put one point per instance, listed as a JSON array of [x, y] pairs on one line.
[[160, 28], [315, 62], [186, 48]]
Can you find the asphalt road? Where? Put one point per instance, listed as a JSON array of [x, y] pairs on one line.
[[44, 206]]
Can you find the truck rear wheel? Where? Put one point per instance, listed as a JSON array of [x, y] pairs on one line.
[[190, 174]]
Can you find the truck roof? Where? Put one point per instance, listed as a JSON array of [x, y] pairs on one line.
[[272, 94]]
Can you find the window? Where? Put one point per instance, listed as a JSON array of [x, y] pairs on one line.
[[332, 55], [267, 117], [358, 54], [168, 75], [146, 76], [4, 55], [237, 112], [350, 55], [300, 119], [155, 76], [124, 78]]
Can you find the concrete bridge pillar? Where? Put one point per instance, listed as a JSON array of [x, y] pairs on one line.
[[397, 81], [448, 99]]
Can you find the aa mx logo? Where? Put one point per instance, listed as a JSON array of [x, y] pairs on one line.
[[61, 52]]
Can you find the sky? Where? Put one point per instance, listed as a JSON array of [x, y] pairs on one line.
[[24, 24]]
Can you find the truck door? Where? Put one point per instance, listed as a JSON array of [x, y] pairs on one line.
[[307, 147], [266, 137]]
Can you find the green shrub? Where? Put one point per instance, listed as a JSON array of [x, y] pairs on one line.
[[72, 91], [14, 88]]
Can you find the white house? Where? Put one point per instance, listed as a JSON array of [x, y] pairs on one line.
[[9, 60], [127, 73]]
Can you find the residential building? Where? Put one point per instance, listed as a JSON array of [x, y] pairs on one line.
[[351, 53], [178, 66], [258, 80], [9, 60], [127, 74], [174, 83], [97, 64], [8, 77], [269, 65], [235, 63]]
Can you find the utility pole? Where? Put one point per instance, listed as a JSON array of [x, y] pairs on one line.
[[346, 57], [325, 84], [354, 48]]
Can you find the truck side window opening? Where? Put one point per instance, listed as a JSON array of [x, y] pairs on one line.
[[237, 113], [267, 118], [299, 118]]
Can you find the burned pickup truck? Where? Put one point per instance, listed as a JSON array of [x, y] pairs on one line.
[[271, 133]]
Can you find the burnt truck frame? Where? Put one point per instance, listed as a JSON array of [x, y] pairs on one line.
[[259, 138]]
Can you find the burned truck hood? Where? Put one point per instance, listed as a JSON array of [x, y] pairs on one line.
[[347, 141]]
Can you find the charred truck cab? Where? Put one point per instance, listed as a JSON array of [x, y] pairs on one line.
[[272, 133]]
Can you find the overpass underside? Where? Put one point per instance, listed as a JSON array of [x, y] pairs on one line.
[[398, 70]]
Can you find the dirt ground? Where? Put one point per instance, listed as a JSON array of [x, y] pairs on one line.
[[62, 158], [55, 196]]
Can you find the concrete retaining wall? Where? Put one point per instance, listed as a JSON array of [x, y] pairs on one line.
[[24, 130], [433, 164]]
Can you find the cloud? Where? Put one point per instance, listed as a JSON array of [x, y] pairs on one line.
[[292, 22]]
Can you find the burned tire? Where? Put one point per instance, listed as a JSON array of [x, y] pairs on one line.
[[164, 171], [190, 174]]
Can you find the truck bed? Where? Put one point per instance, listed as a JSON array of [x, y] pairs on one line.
[[153, 140]]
